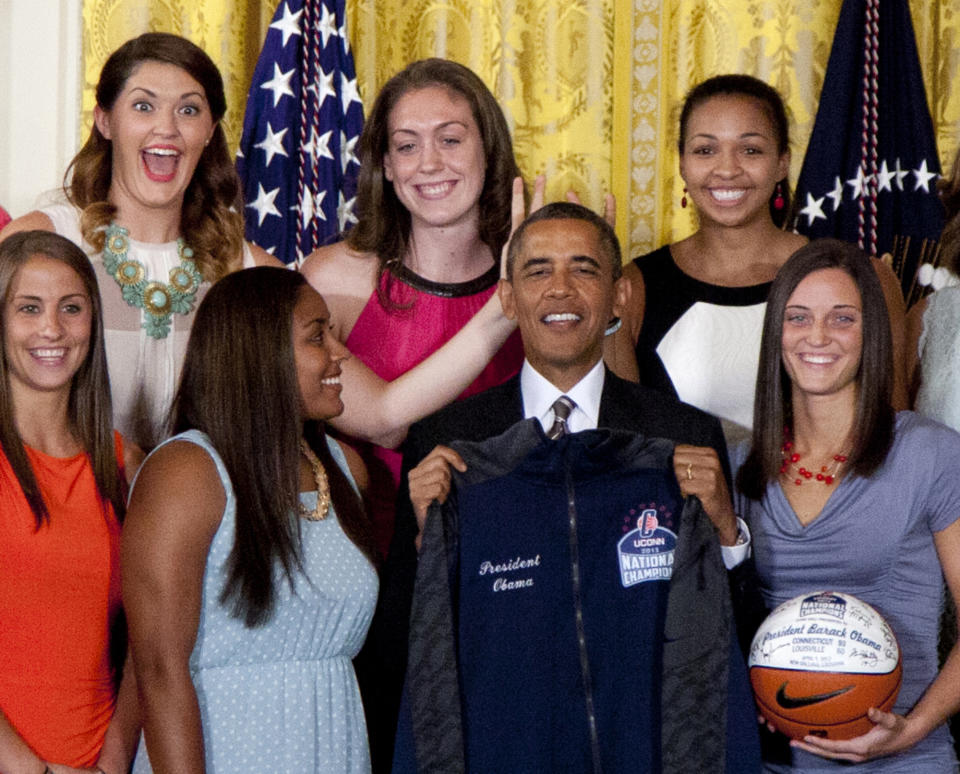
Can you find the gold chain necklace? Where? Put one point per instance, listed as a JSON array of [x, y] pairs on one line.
[[319, 513]]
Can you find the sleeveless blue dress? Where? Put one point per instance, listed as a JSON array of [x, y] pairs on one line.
[[283, 697]]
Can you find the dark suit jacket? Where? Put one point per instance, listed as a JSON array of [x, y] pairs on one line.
[[623, 405]]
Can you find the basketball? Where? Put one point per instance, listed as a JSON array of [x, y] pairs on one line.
[[820, 661]]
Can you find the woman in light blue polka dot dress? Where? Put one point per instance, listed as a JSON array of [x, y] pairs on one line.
[[246, 601]]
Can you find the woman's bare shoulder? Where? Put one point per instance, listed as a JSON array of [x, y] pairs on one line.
[[345, 278], [793, 241], [337, 267], [35, 220], [632, 314], [782, 246], [357, 467], [632, 272], [199, 497], [262, 258], [183, 458]]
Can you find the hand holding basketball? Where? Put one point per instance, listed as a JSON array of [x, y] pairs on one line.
[[819, 662], [891, 734]]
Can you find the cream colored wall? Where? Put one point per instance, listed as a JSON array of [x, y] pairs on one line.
[[40, 91]]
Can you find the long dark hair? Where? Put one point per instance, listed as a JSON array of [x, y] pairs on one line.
[[89, 410], [239, 386], [210, 222], [773, 407], [772, 104], [383, 226]]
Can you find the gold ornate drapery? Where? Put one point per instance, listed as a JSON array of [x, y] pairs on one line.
[[591, 88], [230, 31]]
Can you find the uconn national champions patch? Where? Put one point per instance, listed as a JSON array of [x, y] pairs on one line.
[[645, 553]]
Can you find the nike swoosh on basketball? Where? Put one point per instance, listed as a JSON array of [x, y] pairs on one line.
[[796, 702]]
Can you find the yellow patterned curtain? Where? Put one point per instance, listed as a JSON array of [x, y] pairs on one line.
[[786, 44], [591, 88], [551, 64], [937, 28], [230, 31]]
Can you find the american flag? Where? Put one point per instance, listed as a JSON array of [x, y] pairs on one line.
[[297, 155], [871, 167]]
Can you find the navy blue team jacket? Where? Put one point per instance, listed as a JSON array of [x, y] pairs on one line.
[[572, 614]]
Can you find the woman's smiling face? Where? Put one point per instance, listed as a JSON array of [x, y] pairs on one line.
[[435, 158], [730, 160], [823, 334], [47, 321]]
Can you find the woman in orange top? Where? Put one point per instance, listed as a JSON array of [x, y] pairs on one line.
[[62, 488]]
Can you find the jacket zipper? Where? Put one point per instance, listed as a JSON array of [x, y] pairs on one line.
[[578, 618]]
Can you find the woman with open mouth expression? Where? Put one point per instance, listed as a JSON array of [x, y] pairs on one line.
[[154, 201], [63, 482], [694, 320]]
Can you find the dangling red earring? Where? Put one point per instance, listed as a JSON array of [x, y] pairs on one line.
[[778, 201], [683, 199]]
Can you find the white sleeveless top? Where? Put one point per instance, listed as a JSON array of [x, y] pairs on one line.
[[939, 351], [144, 371]]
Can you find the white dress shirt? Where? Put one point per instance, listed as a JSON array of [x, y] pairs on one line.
[[539, 395]]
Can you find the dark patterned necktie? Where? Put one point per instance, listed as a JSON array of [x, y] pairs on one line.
[[562, 407]]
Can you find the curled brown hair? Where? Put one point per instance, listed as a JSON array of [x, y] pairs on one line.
[[210, 221], [383, 226], [89, 409]]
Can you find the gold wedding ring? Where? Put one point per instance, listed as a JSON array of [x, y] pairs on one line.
[[689, 471]]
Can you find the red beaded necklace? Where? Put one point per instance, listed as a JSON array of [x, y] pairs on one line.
[[828, 473]]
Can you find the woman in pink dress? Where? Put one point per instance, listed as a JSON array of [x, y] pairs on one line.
[[434, 209]]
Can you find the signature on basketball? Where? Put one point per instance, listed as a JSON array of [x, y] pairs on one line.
[[858, 616], [866, 657], [768, 651]]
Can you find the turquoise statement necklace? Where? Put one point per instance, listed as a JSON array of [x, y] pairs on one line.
[[159, 300]]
